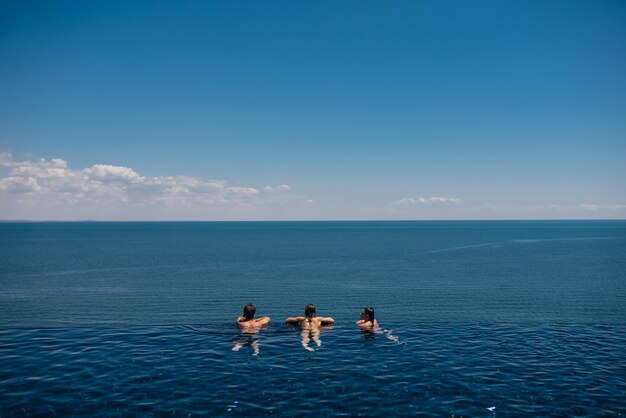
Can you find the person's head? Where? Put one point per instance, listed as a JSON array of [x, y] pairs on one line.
[[363, 316], [367, 314], [248, 312], [309, 311]]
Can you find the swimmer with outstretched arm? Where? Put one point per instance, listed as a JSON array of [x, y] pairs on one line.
[[249, 328], [311, 325], [310, 319], [247, 319]]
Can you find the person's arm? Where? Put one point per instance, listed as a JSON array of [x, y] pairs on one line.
[[360, 322], [294, 321], [327, 321], [240, 319], [263, 321]]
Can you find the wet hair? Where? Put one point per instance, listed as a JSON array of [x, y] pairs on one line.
[[363, 315], [309, 312], [248, 312], [367, 314]]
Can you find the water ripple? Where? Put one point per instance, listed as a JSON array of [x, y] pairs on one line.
[[437, 370]]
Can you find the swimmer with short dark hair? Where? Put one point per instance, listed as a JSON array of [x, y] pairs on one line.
[[247, 319], [311, 325], [249, 329]]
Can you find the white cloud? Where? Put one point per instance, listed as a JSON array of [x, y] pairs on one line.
[[553, 211], [278, 188], [51, 189], [6, 160], [547, 207], [427, 200], [104, 172], [48, 189], [242, 191], [19, 184], [590, 206], [594, 207]]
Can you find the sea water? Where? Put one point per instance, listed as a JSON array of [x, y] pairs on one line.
[[477, 318]]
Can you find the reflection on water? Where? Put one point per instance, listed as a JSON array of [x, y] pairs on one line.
[[248, 338], [371, 332], [308, 335], [312, 334], [437, 370]]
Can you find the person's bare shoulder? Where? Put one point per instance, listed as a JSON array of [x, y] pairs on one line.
[[294, 320], [255, 323], [262, 321], [326, 320]]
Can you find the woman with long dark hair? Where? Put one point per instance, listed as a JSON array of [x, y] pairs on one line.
[[310, 318], [369, 325], [367, 319]]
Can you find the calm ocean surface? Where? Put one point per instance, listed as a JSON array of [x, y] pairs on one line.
[[521, 317]]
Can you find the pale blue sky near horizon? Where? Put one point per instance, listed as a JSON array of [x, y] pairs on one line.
[[366, 110]]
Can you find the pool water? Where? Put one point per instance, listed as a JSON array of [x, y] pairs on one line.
[[423, 369]]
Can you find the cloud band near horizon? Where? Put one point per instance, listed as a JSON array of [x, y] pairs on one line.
[[108, 191], [50, 190]]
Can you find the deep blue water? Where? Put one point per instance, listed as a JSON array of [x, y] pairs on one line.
[[527, 317], [432, 370]]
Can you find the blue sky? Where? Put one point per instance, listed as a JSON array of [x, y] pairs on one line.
[[312, 110]]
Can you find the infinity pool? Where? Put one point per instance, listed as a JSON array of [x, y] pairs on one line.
[[426, 369]]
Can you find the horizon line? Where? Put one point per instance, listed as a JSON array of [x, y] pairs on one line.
[[305, 220]]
